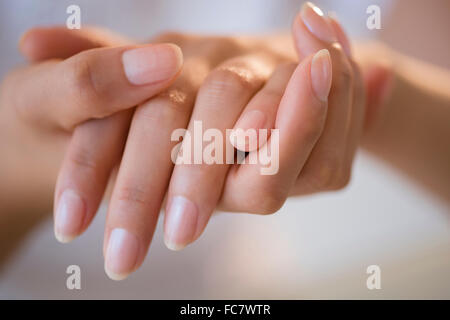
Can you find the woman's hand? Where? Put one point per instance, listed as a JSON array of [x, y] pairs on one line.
[[220, 77], [40, 104], [247, 83]]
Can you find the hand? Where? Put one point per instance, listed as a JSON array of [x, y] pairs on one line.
[[319, 131], [212, 69], [234, 77], [40, 104]]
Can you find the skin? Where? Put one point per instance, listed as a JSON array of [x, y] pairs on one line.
[[318, 158], [228, 82]]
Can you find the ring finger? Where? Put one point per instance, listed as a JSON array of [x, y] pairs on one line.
[[196, 186]]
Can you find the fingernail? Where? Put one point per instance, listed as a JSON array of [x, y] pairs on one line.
[[181, 223], [316, 22], [251, 120], [340, 33], [321, 74], [121, 254], [152, 63], [69, 216]]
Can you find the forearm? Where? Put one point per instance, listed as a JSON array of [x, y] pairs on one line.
[[413, 129]]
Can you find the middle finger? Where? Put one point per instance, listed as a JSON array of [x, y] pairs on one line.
[[196, 186], [144, 173]]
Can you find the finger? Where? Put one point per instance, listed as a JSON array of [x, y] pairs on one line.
[[85, 171], [88, 161], [58, 42], [94, 150], [311, 31], [196, 183], [261, 111], [325, 168], [357, 117], [145, 172], [263, 186], [358, 102], [93, 83]]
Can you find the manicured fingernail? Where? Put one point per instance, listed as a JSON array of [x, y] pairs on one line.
[[151, 64], [340, 34], [181, 223], [321, 73], [70, 213], [316, 22], [121, 254], [243, 139]]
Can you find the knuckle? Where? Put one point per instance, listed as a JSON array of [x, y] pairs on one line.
[[87, 90], [269, 200], [83, 159], [228, 81], [167, 106], [176, 100], [132, 196]]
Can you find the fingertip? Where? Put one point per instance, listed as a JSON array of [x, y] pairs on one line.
[[115, 276], [121, 254], [180, 223], [178, 54], [63, 238], [321, 74], [173, 246], [245, 135], [152, 64], [69, 216]]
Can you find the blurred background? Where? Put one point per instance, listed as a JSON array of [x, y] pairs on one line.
[[314, 247]]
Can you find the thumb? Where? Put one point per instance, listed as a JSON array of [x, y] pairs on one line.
[[93, 84], [58, 42]]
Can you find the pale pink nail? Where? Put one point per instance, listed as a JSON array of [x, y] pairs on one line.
[[316, 22], [321, 74], [244, 140], [181, 223], [152, 63], [69, 216], [121, 254]]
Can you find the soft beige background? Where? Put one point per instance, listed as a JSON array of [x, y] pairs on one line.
[[315, 247]]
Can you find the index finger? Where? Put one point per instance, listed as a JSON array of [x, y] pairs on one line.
[[92, 84]]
